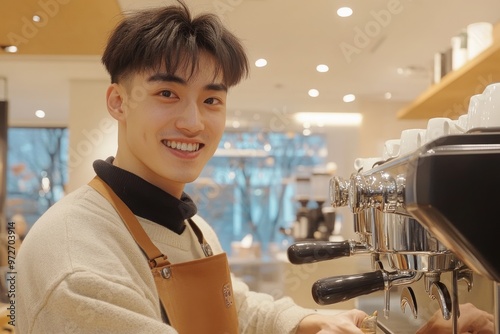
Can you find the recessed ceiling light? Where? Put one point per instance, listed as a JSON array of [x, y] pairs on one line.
[[9, 48], [388, 95], [349, 98], [344, 11], [403, 71], [313, 92], [40, 113], [322, 68], [36, 18], [261, 62]]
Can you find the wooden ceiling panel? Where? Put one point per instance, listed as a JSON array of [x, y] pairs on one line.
[[67, 27]]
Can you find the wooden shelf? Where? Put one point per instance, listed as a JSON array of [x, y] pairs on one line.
[[450, 97]]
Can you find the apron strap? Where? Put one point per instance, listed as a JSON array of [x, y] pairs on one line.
[[154, 255], [201, 239]]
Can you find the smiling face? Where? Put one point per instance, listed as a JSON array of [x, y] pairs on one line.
[[169, 124]]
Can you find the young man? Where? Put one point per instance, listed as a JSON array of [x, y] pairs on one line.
[[127, 252]]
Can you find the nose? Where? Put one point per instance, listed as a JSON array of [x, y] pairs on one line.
[[190, 118]]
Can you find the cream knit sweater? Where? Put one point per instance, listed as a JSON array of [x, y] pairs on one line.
[[80, 271]]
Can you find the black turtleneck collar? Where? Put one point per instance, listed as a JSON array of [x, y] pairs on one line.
[[145, 199]]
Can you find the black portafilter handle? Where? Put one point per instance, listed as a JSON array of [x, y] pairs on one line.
[[336, 289], [315, 251]]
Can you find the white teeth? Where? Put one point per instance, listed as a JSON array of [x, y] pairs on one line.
[[183, 146]]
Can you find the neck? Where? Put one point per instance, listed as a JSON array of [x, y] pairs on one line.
[[133, 166]]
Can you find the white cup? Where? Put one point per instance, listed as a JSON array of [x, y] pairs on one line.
[[484, 109], [365, 164], [408, 141], [421, 138], [479, 37], [458, 51], [490, 115], [391, 149], [476, 105], [461, 123], [438, 127]]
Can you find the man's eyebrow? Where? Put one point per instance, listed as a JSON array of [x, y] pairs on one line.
[[218, 87], [164, 77]]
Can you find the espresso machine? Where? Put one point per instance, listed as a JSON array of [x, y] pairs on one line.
[[418, 216]]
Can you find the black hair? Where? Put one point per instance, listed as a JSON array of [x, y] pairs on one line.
[[170, 37]]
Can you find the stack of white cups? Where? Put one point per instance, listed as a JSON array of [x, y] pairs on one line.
[[483, 115], [411, 139], [484, 110], [437, 127]]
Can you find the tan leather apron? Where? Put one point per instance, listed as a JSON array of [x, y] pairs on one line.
[[196, 295]]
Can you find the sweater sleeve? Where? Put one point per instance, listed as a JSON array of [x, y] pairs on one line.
[[85, 302], [261, 313]]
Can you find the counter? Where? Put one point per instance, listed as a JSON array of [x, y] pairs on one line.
[[278, 277]]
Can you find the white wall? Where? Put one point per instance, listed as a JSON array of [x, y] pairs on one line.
[[92, 132], [380, 123]]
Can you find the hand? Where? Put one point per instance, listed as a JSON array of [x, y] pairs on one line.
[[471, 320], [347, 322]]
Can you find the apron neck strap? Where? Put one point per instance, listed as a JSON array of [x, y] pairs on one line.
[[154, 255], [201, 239]]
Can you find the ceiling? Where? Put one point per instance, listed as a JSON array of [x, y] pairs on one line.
[[363, 51]]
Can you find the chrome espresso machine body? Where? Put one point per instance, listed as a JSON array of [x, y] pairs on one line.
[[419, 216]]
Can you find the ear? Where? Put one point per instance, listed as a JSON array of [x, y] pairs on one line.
[[115, 97]]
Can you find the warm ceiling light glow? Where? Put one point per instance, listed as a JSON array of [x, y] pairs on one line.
[[261, 62], [40, 113], [388, 96], [407, 70], [36, 18], [344, 11], [322, 68], [313, 93], [329, 119], [9, 48], [349, 98]]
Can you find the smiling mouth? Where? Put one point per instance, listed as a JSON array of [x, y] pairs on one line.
[[185, 147]]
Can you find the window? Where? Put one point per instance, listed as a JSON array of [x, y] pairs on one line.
[[248, 186], [37, 170]]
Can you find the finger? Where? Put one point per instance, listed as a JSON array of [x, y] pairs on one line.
[[480, 326], [490, 317], [356, 316]]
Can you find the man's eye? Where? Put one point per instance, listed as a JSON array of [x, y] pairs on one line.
[[213, 100], [167, 93]]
